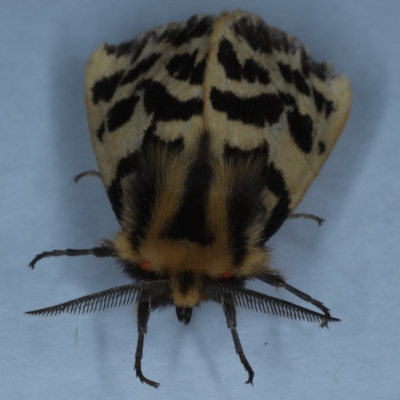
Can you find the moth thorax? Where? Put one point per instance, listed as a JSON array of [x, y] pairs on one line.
[[186, 287]]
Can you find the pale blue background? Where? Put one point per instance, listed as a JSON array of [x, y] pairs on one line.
[[352, 263]]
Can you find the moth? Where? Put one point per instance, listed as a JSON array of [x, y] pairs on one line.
[[207, 134]]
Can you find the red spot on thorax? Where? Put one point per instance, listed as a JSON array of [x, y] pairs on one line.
[[226, 275], [145, 265]]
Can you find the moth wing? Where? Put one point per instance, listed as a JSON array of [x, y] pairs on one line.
[[150, 86], [263, 88], [110, 103], [117, 78]]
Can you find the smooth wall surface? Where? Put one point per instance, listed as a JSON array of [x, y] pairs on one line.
[[351, 263]]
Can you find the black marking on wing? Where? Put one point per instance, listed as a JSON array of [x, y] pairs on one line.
[[329, 107], [169, 34], [165, 107], [301, 83], [198, 73], [200, 27], [132, 48], [229, 61], [322, 103], [309, 66], [256, 110], [183, 67], [194, 28], [319, 100], [286, 72], [321, 147], [301, 129], [287, 99], [294, 76], [140, 45], [280, 40], [143, 66], [251, 71], [255, 34], [190, 221], [122, 49], [100, 131], [104, 89], [121, 112], [321, 70]]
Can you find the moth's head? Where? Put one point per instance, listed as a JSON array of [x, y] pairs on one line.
[[187, 265]]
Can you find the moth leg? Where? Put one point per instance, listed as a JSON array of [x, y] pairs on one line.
[[100, 251], [230, 314], [279, 281], [92, 172], [319, 220], [143, 314]]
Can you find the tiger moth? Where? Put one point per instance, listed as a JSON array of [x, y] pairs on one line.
[[207, 134]]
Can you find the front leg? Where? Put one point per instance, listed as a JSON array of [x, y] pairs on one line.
[[143, 314], [105, 250], [230, 313]]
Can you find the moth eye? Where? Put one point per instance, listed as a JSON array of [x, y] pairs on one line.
[[145, 265], [226, 275]]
